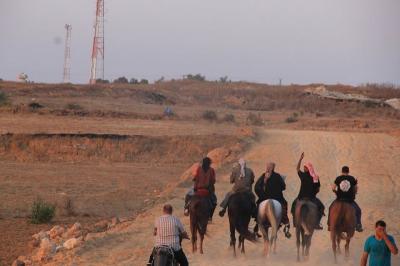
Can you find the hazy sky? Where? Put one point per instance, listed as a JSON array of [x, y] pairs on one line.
[[301, 41]]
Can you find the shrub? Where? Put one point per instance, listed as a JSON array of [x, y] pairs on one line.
[[3, 99], [229, 118], [223, 79], [102, 81], [42, 212], [35, 105], [121, 80], [254, 119], [209, 115], [133, 81], [73, 106], [197, 77], [291, 119], [144, 81]]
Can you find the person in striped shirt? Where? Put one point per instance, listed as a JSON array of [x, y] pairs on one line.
[[168, 231]]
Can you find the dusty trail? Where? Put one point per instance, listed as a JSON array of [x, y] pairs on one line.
[[372, 158]]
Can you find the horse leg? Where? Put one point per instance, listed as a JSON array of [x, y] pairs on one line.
[[201, 243], [233, 238], [241, 243], [347, 247], [303, 242], [264, 232], [333, 240], [276, 237], [338, 245], [298, 243], [308, 244]]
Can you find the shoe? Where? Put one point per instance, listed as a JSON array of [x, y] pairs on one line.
[[318, 227], [359, 228], [222, 212], [186, 212]]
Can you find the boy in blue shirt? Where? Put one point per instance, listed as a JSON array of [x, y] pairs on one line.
[[379, 247]]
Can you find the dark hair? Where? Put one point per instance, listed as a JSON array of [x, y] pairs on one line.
[[167, 208], [380, 223], [345, 169], [206, 164]]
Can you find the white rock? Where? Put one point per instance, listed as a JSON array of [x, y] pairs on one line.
[[71, 243]]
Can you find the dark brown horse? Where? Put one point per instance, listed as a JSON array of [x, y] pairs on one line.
[[199, 210], [305, 220], [239, 211], [342, 223]]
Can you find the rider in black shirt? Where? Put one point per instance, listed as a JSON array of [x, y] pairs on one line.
[[345, 187], [309, 188]]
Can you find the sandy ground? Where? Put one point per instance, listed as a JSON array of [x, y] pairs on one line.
[[372, 158]]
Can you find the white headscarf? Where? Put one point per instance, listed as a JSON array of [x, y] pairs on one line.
[[242, 164]]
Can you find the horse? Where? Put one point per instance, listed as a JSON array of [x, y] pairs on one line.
[[342, 224], [163, 256], [239, 212], [305, 220], [199, 211], [269, 215]]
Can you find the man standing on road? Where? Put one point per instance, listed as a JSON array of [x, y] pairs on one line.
[[168, 230], [379, 247]]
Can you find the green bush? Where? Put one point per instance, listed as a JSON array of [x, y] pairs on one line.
[[229, 118], [35, 106], [254, 119], [3, 99], [73, 106], [210, 115], [291, 119], [42, 212]]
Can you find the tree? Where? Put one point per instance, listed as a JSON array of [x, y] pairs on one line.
[[144, 81], [121, 80], [133, 81]]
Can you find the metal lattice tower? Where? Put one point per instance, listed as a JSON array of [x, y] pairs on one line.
[[97, 68], [67, 54]]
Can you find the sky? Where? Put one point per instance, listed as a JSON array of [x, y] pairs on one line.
[[299, 41]]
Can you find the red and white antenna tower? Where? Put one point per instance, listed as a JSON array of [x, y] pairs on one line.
[[67, 54], [97, 68]]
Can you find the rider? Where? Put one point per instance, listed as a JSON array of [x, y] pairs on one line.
[[168, 231], [345, 187], [309, 188], [270, 186], [204, 181], [243, 178]]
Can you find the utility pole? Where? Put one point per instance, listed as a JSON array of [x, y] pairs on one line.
[[97, 67], [67, 54]]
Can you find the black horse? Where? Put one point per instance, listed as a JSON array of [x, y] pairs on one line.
[[240, 208]]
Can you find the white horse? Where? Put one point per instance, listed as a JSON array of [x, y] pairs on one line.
[[269, 215]]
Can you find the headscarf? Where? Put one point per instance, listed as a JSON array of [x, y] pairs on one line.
[[206, 164], [242, 164], [271, 167], [312, 172]]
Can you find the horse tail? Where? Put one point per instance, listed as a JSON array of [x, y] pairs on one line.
[[271, 213], [304, 211]]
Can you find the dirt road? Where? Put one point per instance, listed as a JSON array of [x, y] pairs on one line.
[[372, 158]]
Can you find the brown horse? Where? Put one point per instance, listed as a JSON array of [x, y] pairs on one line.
[[199, 210], [305, 220], [239, 211], [342, 223]]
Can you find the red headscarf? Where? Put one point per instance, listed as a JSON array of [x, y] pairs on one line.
[[312, 172]]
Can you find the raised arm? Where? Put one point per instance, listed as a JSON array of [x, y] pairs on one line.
[[299, 163]]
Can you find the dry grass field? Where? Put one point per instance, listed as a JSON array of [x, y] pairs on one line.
[[109, 150]]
